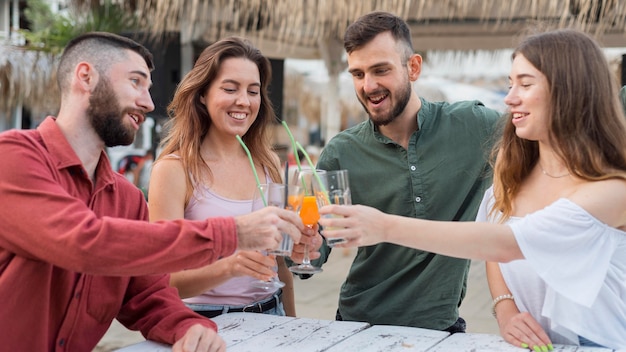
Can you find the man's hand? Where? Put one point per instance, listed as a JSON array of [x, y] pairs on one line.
[[313, 241], [200, 339], [262, 229]]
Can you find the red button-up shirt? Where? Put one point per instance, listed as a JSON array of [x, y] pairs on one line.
[[73, 257]]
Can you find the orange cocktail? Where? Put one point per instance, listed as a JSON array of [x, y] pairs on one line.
[[308, 211], [294, 202]]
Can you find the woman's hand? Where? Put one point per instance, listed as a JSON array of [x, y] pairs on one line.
[[360, 225], [251, 263], [523, 330], [313, 240]]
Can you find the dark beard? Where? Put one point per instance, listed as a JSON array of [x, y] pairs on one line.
[[106, 116], [404, 96]]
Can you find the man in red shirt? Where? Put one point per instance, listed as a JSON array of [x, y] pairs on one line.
[[76, 249]]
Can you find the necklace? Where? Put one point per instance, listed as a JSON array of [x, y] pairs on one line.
[[552, 176]]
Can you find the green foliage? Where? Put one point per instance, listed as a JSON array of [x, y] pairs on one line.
[[51, 32]]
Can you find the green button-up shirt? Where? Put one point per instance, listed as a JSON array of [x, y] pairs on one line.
[[441, 176]]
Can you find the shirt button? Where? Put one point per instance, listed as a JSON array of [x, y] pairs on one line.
[[61, 342], [413, 168], [418, 199]]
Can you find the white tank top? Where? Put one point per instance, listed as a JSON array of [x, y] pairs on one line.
[[236, 291]]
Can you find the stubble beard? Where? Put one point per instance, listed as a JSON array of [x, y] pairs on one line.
[[403, 95], [107, 116]]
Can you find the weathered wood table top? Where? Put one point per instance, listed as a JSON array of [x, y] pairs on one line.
[[251, 332]]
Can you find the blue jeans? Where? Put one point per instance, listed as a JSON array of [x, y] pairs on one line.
[[587, 343], [272, 305]]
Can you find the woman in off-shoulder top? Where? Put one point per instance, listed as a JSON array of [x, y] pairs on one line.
[[556, 214]]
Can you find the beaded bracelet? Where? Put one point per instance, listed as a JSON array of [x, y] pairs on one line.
[[498, 300]]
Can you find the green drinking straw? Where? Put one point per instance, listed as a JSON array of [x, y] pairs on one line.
[[293, 145], [317, 177], [256, 177], [295, 151]]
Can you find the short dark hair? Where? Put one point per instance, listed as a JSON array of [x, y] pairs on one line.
[[368, 26], [99, 48]]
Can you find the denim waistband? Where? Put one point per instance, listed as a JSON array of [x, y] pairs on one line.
[[211, 311]]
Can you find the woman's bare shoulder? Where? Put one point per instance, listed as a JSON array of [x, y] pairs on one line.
[[169, 167], [605, 200]]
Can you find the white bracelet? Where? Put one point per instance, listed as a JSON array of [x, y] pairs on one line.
[[498, 300]]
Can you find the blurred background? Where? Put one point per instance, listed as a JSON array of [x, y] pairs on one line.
[[466, 45]]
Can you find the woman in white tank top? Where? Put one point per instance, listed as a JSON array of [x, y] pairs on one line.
[[204, 172]]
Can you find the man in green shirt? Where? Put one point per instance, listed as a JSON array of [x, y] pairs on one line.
[[412, 158]]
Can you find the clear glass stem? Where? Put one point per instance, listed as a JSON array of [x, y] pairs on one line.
[[305, 259], [306, 267]]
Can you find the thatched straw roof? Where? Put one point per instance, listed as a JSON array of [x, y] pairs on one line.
[[292, 28], [299, 28], [28, 77]]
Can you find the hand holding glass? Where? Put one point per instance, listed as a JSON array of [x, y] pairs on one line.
[[338, 188], [308, 213], [283, 196]]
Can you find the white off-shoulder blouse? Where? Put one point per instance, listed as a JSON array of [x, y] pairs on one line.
[[573, 277]]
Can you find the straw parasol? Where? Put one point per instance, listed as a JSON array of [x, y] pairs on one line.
[[28, 77], [288, 28], [314, 28]]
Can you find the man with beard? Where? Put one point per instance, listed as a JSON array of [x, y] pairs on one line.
[[411, 158], [76, 249]]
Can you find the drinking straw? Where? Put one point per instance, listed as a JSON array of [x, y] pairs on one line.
[[256, 177], [293, 145], [286, 184], [317, 177]]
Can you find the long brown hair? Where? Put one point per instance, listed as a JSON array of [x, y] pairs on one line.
[[586, 119], [190, 122]]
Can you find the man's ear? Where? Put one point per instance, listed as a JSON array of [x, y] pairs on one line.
[[86, 76], [415, 67]]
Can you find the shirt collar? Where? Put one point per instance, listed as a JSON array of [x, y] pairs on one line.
[[422, 113], [65, 156]]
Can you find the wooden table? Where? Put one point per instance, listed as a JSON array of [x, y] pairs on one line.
[[250, 332]]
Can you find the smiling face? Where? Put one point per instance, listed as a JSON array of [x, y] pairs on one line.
[[233, 99], [528, 100], [117, 109], [381, 78]]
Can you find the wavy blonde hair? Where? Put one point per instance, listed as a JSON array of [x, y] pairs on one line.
[[586, 118], [190, 122]]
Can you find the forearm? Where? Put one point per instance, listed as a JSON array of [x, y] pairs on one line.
[[505, 308], [495, 280], [80, 241], [473, 240], [156, 310], [193, 282]]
